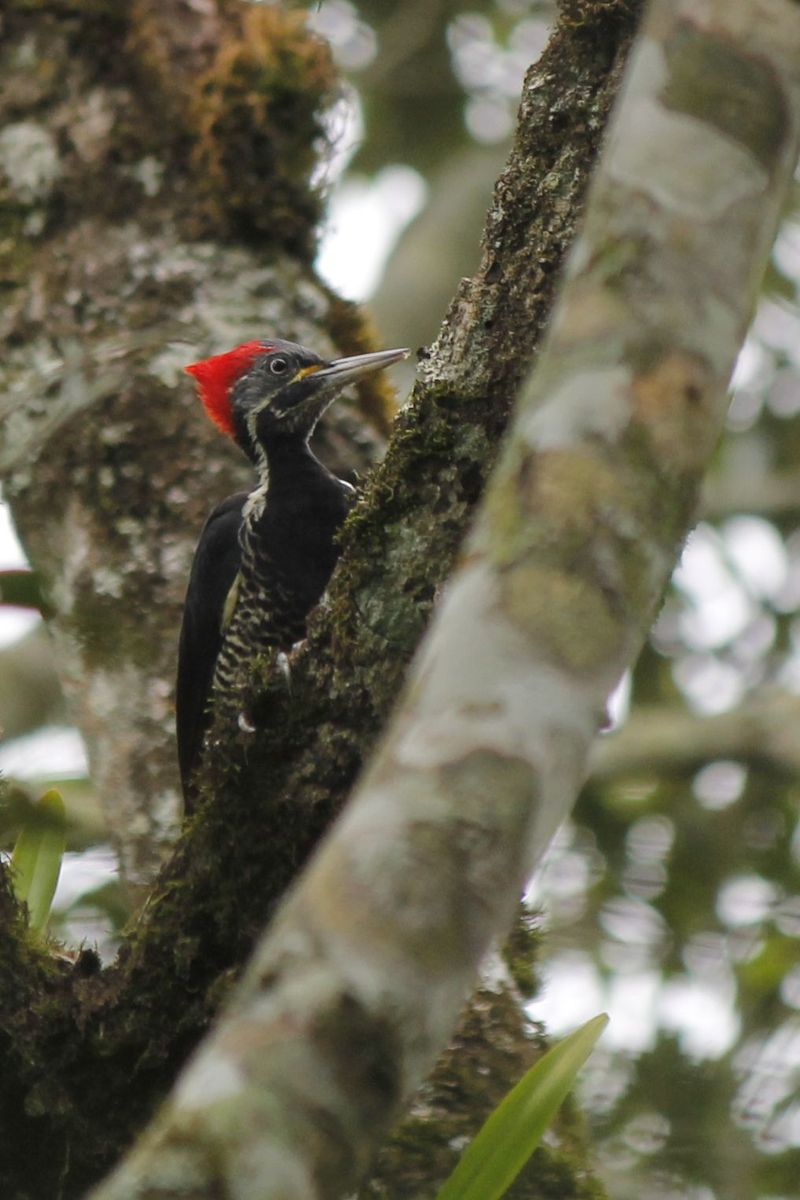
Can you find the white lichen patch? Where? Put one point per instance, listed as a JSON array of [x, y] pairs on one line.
[[159, 700], [43, 389], [76, 549], [35, 222], [244, 299], [128, 527], [24, 55], [29, 160], [149, 174], [311, 300], [115, 433], [108, 582], [168, 365], [213, 1076], [175, 558], [114, 695]]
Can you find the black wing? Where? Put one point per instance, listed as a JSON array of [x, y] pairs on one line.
[[214, 569]]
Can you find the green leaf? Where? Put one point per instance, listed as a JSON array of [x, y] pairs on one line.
[[36, 861], [505, 1142]]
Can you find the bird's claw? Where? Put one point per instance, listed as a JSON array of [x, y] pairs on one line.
[[244, 722]]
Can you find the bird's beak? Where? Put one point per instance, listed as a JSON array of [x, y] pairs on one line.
[[313, 389], [345, 370]]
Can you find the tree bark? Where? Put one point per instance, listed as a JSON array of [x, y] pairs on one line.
[[106, 1045], [155, 163], [326, 1036]]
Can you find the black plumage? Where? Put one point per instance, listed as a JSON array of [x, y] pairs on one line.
[[264, 558], [214, 569]]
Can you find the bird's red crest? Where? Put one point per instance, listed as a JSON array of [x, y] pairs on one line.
[[216, 376]]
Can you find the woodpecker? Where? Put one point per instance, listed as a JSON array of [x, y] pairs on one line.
[[264, 557]]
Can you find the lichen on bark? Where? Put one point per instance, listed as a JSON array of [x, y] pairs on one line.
[[485, 700], [86, 385], [120, 266]]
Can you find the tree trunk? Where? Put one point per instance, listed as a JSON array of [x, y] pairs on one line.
[[202, 236], [358, 982], [155, 172]]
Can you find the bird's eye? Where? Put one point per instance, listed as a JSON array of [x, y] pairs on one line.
[[278, 366]]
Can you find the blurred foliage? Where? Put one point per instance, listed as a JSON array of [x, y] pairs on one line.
[[435, 85], [433, 74], [685, 881]]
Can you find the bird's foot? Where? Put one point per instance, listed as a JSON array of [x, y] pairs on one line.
[[245, 723]]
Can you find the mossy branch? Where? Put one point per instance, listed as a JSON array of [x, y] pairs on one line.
[[269, 809], [325, 1036]]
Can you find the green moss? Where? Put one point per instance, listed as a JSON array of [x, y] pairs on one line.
[[34, 995], [550, 1174], [114, 1043], [594, 15], [520, 951], [257, 119]]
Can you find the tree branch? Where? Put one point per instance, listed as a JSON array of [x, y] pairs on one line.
[[136, 1022], [327, 1036], [765, 729], [155, 180], [775, 495]]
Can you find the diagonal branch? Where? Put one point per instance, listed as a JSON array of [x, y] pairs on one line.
[[360, 980], [131, 1027]]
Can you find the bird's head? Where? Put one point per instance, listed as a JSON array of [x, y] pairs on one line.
[[260, 392]]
